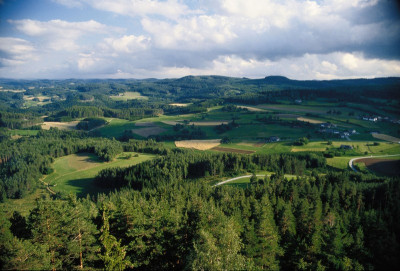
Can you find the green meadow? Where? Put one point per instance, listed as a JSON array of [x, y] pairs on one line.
[[74, 173]]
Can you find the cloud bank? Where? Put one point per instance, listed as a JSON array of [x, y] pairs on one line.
[[250, 38]]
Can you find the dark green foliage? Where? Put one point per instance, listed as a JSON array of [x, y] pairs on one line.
[[90, 123], [18, 120], [337, 221], [301, 141], [225, 140], [189, 165]]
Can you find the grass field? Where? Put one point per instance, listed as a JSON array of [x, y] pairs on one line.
[[17, 132], [341, 162], [115, 127], [386, 138], [131, 95], [74, 173]]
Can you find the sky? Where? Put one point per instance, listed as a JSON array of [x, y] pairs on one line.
[[299, 39]]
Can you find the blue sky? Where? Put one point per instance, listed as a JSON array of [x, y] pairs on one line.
[[300, 39]]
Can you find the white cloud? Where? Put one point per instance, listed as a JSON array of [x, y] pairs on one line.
[[128, 43], [201, 32], [302, 39], [16, 51], [307, 67], [61, 35]]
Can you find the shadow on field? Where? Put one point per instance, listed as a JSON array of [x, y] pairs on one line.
[[85, 186]]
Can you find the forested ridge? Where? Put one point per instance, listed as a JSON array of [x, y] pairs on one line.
[[334, 222], [165, 212]]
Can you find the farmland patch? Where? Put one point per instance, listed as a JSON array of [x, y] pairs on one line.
[[197, 123], [149, 131], [310, 120], [253, 109], [180, 104], [129, 95], [198, 144], [60, 125], [386, 137], [222, 149], [389, 167]]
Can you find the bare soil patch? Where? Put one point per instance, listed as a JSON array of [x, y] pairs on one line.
[[222, 149], [386, 137], [60, 125], [145, 132], [389, 167], [198, 144], [310, 120]]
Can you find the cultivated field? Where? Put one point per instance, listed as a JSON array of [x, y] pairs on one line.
[[258, 144], [223, 149], [149, 131], [179, 104], [253, 109], [386, 137], [310, 120], [198, 144], [60, 125], [115, 127], [131, 95], [197, 123], [307, 149], [145, 124], [382, 166]]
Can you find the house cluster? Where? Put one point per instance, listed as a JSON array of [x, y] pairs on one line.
[[371, 118], [330, 128], [273, 139], [379, 118]]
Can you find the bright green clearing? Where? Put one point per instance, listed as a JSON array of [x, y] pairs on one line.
[[115, 127], [23, 132], [129, 96], [74, 173]]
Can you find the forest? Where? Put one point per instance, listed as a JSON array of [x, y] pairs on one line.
[[300, 208]]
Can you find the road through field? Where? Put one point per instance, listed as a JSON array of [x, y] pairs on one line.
[[351, 165], [236, 178]]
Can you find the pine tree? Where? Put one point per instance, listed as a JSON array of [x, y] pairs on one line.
[[267, 247], [113, 254]]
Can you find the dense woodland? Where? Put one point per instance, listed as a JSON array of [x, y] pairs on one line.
[[165, 213], [340, 221]]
